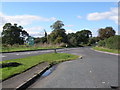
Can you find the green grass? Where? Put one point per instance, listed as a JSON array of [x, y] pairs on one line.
[[106, 50], [30, 61], [23, 48]]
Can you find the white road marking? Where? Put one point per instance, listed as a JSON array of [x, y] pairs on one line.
[[25, 53], [103, 82], [3, 56], [28, 53], [90, 71]]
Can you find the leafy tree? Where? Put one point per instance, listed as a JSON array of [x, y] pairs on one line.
[[57, 25], [83, 36], [45, 33], [72, 41], [58, 34], [80, 37], [92, 40], [106, 32], [13, 34]]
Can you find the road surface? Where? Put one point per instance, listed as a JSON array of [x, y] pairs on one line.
[[94, 70]]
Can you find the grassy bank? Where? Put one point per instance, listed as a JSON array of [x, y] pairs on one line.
[[106, 50], [30, 61], [26, 47]]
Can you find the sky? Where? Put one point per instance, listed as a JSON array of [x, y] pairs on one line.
[[34, 17]]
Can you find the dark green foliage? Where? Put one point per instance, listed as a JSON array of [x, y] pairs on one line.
[[58, 34], [92, 40], [57, 25], [111, 42], [45, 33], [37, 40], [41, 40], [83, 36], [79, 38], [106, 32], [72, 41], [13, 34], [101, 43]]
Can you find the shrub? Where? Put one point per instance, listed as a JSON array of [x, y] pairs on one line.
[[101, 43], [111, 42]]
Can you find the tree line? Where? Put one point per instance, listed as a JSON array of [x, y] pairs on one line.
[[13, 34]]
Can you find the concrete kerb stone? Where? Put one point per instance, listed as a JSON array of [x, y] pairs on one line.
[[25, 78], [32, 79]]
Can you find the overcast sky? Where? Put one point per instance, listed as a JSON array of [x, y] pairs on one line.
[[37, 16]]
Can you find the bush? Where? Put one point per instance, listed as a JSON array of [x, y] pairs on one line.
[[112, 42], [101, 43]]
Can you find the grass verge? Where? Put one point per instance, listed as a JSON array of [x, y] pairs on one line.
[[106, 50], [12, 49], [31, 61]]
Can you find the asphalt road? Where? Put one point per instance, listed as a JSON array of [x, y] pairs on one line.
[[14, 55], [95, 70]]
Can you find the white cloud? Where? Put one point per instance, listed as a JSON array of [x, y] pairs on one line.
[[35, 31], [79, 17], [110, 15], [36, 28], [70, 31], [69, 25], [24, 20]]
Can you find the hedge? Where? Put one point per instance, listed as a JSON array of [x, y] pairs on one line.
[[111, 42]]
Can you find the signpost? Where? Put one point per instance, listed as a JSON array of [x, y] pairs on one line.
[[30, 41]]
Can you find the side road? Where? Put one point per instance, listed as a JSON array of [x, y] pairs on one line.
[[22, 79]]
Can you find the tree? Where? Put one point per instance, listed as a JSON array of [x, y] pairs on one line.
[[45, 33], [83, 36], [72, 41], [92, 40], [58, 34], [106, 32], [57, 25], [80, 37], [13, 34]]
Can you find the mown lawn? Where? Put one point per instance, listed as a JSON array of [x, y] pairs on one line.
[[23, 48], [107, 50], [30, 61]]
